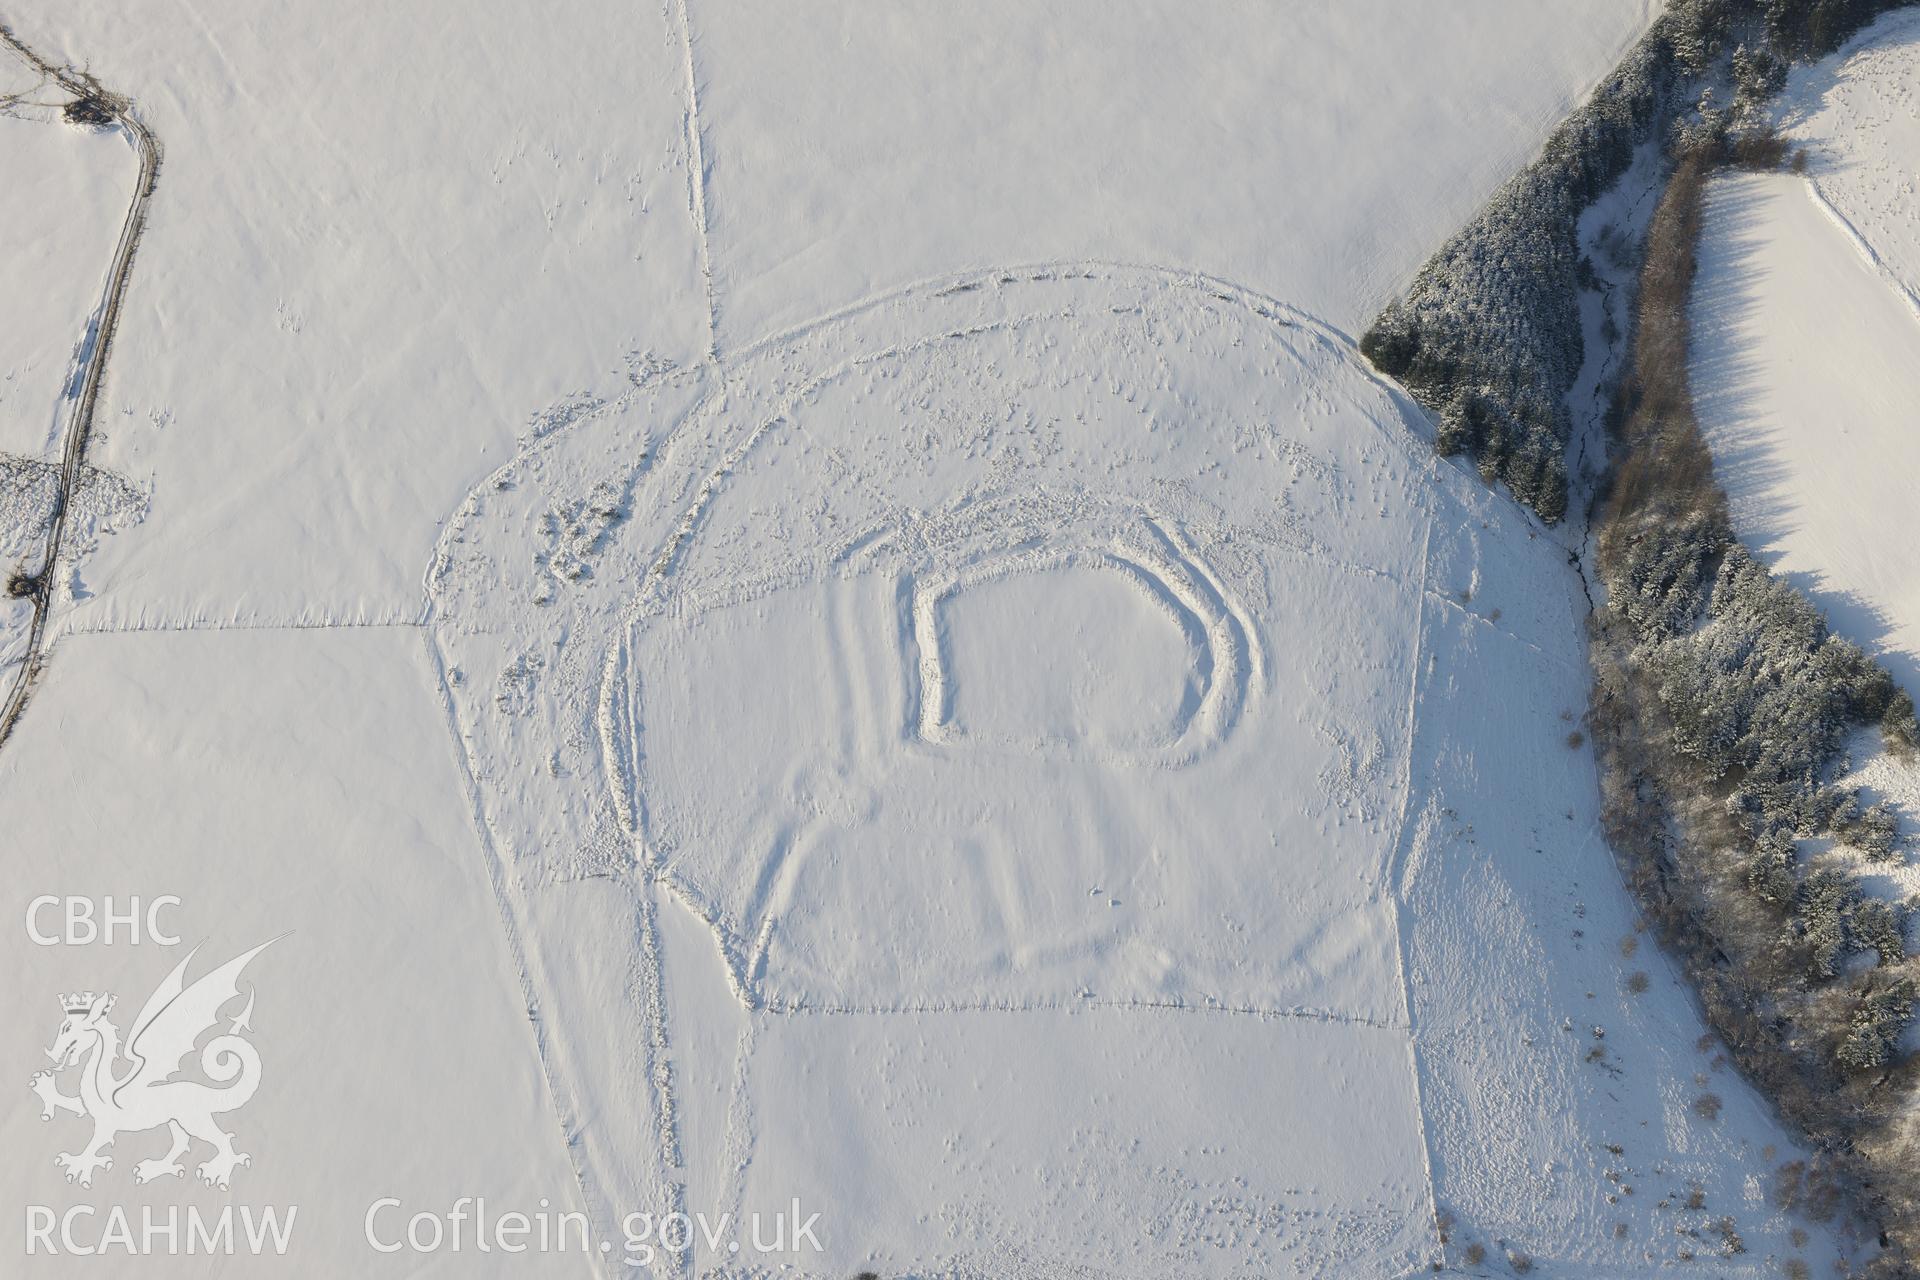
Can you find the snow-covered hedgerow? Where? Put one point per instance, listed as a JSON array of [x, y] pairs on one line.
[[1488, 336]]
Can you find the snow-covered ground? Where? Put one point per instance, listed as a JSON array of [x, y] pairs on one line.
[[386, 246], [65, 192], [1293, 842], [1808, 344], [1319, 154], [1030, 757], [101, 504], [278, 783], [1807, 361], [60, 210]]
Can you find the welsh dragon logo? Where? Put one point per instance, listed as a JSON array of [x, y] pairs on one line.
[[144, 1094]]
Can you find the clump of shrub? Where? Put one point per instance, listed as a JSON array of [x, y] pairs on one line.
[[1827, 901], [1874, 831], [91, 110], [1762, 686], [1758, 74], [1875, 1028], [1759, 149], [1656, 569], [1812, 28]]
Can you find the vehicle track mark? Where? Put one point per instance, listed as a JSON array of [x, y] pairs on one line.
[[1862, 246], [697, 178], [80, 422]]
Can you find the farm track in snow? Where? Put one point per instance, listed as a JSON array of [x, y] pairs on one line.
[[80, 422]]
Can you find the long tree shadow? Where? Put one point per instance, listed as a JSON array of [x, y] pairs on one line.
[[1748, 437]]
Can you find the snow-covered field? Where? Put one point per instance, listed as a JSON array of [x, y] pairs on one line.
[[1808, 336], [65, 192], [369, 275], [60, 210], [1293, 842], [278, 783], [1807, 324], [1029, 757], [897, 543]]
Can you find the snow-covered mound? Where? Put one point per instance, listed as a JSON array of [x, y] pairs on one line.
[[1043, 767], [897, 544], [1246, 927]]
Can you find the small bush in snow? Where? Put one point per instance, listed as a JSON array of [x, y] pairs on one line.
[[1875, 1029], [1827, 902], [1875, 832], [91, 111], [1880, 927]]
